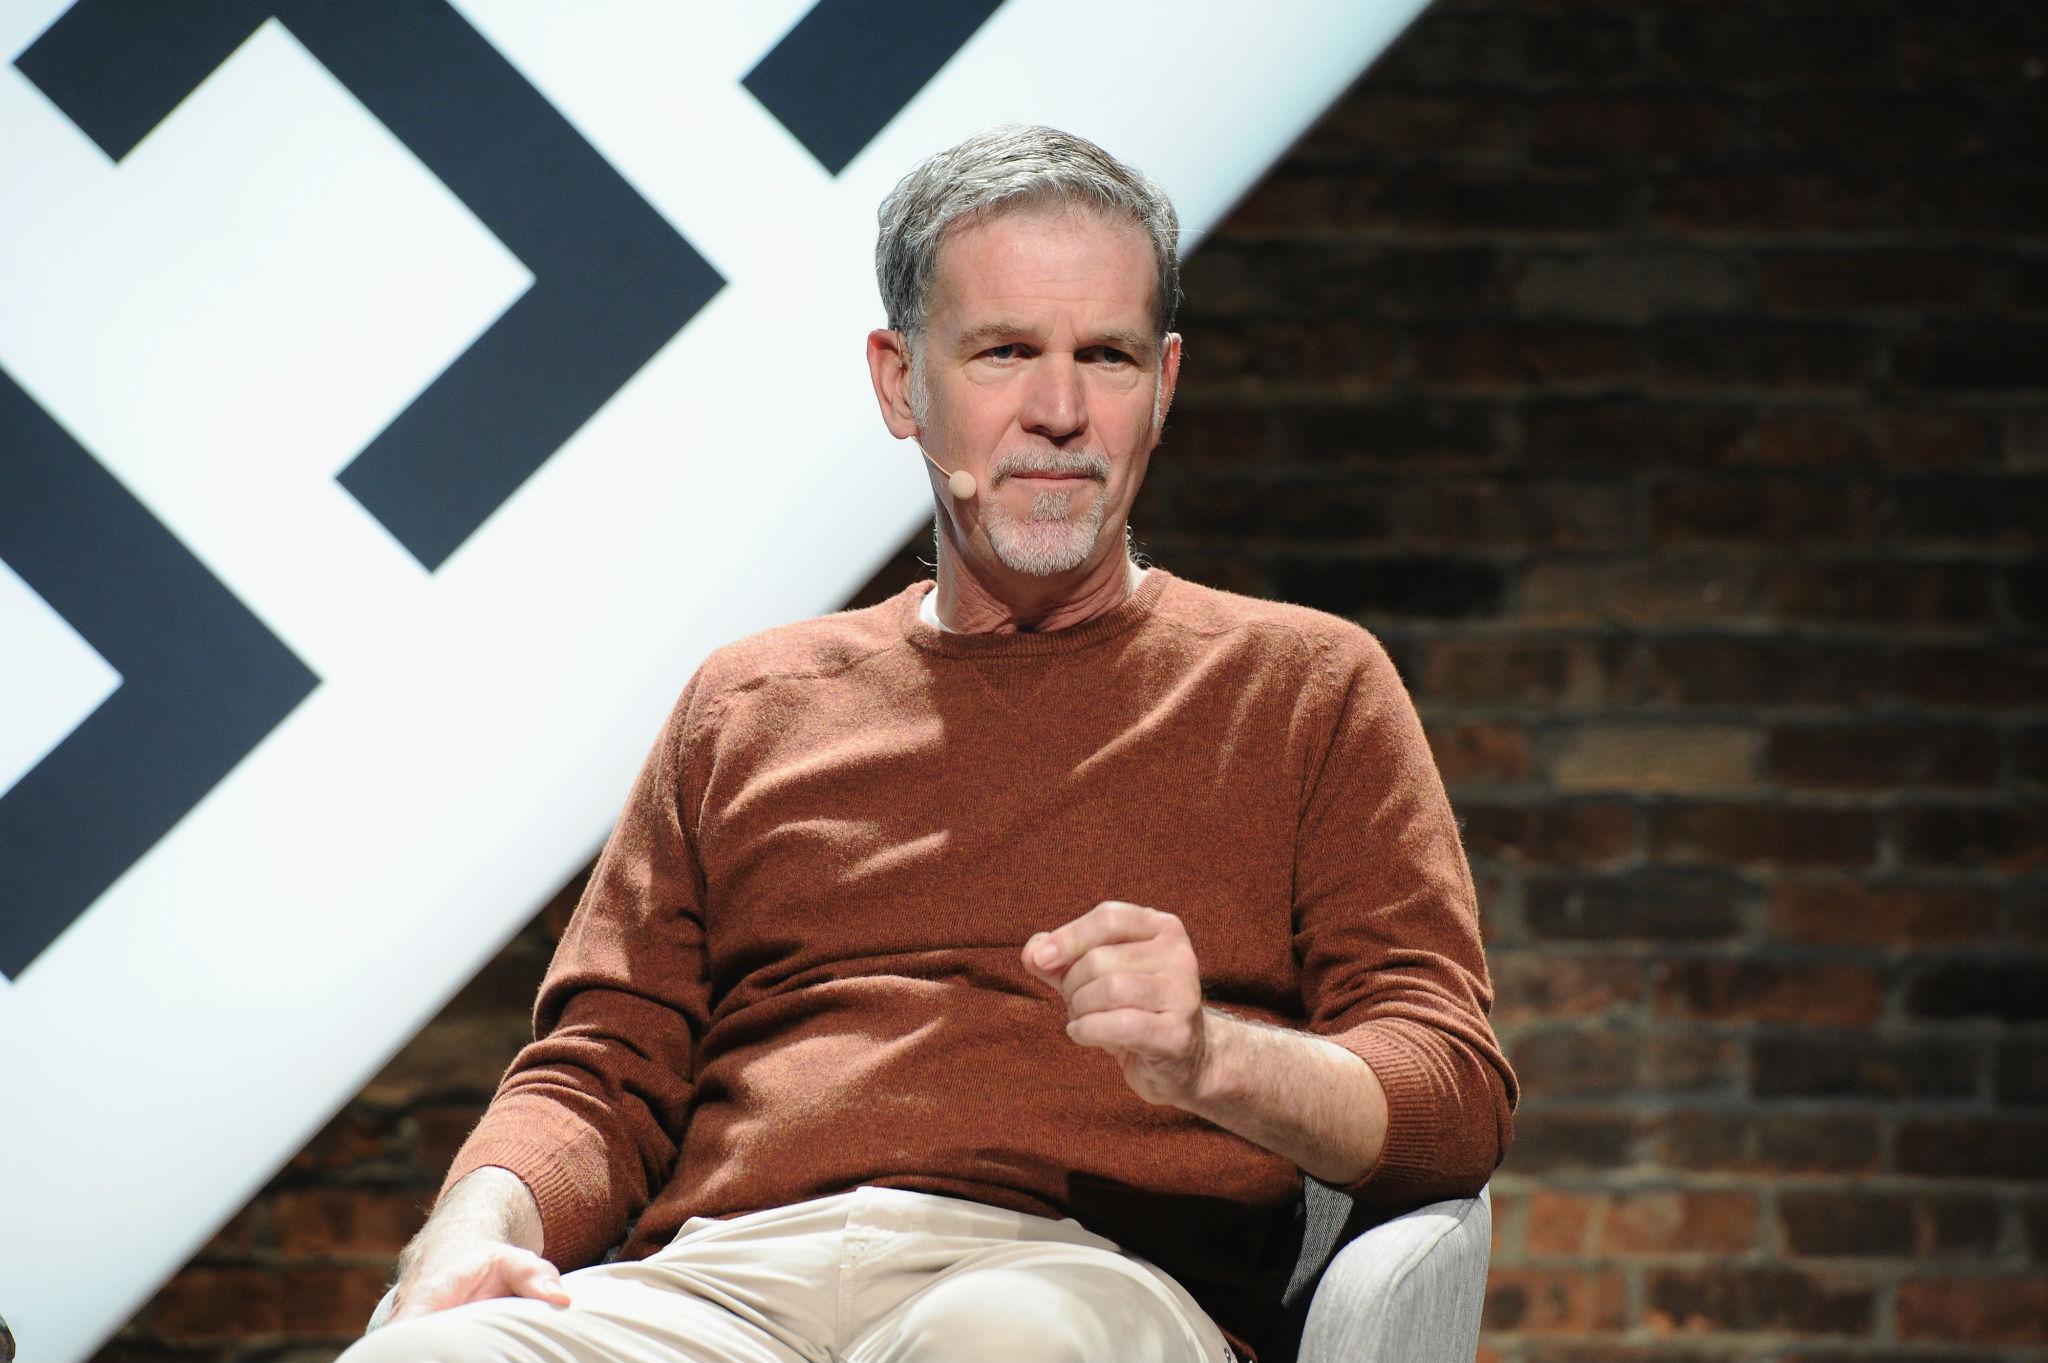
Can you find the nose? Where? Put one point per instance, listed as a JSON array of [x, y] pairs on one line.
[[1054, 405]]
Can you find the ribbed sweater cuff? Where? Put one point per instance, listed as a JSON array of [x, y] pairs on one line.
[[1411, 1159], [552, 1154]]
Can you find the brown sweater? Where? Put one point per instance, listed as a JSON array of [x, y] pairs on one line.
[[796, 971]]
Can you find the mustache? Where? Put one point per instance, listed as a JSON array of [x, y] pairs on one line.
[[1067, 463]]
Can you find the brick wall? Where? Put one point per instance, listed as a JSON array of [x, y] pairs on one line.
[[1667, 385]]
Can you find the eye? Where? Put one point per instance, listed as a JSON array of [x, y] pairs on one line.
[[1008, 350], [1110, 355]]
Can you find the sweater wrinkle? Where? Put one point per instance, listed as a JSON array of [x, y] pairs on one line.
[[820, 893]]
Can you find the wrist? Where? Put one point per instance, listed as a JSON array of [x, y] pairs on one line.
[[1219, 1077]]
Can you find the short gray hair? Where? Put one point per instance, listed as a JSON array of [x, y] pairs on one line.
[[1000, 170]]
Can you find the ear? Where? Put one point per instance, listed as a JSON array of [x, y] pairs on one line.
[[889, 367], [1169, 377]]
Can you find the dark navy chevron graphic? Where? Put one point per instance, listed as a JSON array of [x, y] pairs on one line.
[[202, 681], [849, 66], [613, 281]]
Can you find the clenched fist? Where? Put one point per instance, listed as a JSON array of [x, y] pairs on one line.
[[1132, 988]]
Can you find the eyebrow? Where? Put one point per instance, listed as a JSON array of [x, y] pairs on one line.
[[975, 337]]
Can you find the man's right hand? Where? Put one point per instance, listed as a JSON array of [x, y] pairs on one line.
[[474, 1272], [483, 1241]]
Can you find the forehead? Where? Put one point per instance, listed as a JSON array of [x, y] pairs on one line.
[[1046, 256]]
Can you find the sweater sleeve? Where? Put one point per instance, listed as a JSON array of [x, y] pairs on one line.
[[590, 1113], [1387, 932]]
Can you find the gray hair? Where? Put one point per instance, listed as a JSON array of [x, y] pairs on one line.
[[1000, 170]]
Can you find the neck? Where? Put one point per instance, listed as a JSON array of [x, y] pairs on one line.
[[971, 603]]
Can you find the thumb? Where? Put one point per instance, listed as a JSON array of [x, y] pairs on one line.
[[539, 1280]]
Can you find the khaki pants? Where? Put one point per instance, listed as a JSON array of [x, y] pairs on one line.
[[877, 1275]]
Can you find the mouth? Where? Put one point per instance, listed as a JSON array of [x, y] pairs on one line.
[[1043, 477]]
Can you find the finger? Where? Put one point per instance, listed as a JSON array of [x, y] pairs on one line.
[[1123, 1029], [1118, 958], [1147, 991], [1112, 920], [538, 1279]]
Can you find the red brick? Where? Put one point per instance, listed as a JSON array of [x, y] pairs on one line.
[[1821, 437], [1652, 904], [1399, 434], [1763, 835], [1862, 1064], [332, 1301], [1870, 281], [1972, 1147], [1763, 513], [246, 1232], [1582, 834], [1799, 201], [1882, 756], [1540, 355], [1744, 354], [1531, 985], [1575, 1062], [1769, 671], [1644, 756], [1331, 354], [1540, 1301], [1204, 433], [2001, 988], [1749, 1142], [1480, 753], [1550, 1142], [1842, 912], [1607, 126], [360, 1139], [1972, 515], [438, 1131], [1799, 49], [347, 1220], [1661, 591], [1631, 435], [1881, 592], [1679, 1222], [1996, 677], [1932, 438], [1978, 358], [202, 1304], [1847, 1222], [2021, 1077], [1372, 120], [2006, 837], [1560, 1223], [2010, 1311], [454, 1056], [1801, 992], [1869, 126], [1539, 671], [1701, 1299]]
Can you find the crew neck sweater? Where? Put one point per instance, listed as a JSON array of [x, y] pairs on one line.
[[795, 970]]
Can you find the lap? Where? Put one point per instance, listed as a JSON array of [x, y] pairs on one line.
[[878, 1276], [611, 1319]]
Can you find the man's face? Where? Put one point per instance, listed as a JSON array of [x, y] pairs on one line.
[[1042, 375]]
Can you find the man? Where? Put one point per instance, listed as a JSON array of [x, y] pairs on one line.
[[885, 1008]]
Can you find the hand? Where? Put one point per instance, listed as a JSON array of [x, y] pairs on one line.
[[472, 1270], [1133, 989]]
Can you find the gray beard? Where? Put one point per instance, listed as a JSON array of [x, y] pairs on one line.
[[1046, 541]]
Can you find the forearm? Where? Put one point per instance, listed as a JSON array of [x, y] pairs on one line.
[[487, 1204], [1293, 1093]]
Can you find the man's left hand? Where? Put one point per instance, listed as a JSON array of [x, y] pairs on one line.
[[1133, 989]]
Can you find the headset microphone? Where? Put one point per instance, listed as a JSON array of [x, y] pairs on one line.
[[959, 482]]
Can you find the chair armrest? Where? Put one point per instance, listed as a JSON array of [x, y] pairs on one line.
[[1406, 1291]]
